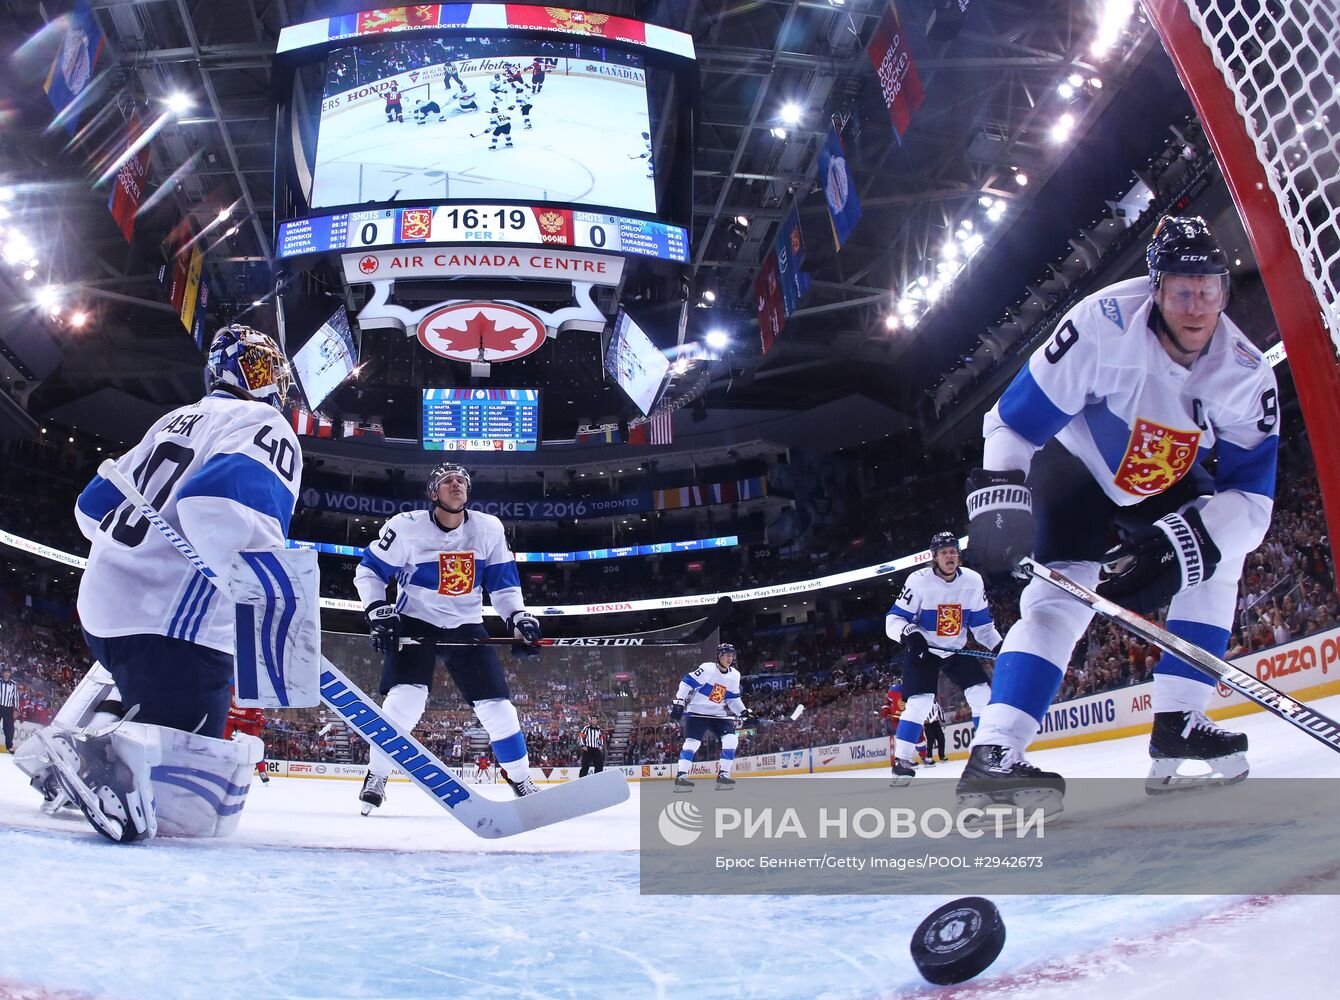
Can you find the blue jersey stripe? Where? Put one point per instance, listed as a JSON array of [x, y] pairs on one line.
[[384, 570], [978, 618], [1028, 410], [1251, 470], [901, 612], [200, 615], [499, 576], [99, 498], [427, 575], [243, 480], [1110, 433], [187, 609], [928, 619]]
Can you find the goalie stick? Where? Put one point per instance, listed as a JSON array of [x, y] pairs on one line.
[[1319, 726], [484, 817], [699, 634]]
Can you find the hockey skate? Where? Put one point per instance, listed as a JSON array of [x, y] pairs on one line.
[[903, 773], [102, 785], [724, 781], [683, 783], [998, 775], [521, 788], [373, 793], [1179, 737]]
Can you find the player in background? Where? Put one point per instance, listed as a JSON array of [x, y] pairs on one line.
[[498, 88], [450, 74], [250, 722], [941, 601], [466, 103], [482, 766], [1102, 436], [708, 701], [891, 712], [442, 559], [645, 154], [224, 473], [423, 109], [537, 76], [513, 78], [394, 109], [500, 124], [524, 102]]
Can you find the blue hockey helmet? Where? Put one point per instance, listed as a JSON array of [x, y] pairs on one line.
[[1184, 245], [943, 540], [725, 648], [250, 363]]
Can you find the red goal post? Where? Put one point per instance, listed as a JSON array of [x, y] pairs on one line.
[[1262, 79]]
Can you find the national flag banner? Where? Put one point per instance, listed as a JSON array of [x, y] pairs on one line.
[[128, 186], [789, 246], [713, 493], [81, 44], [311, 425], [835, 177], [191, 297], [604, 434], [577, 22], [383, 19], [768, 302], [898, 78], [662, 429]]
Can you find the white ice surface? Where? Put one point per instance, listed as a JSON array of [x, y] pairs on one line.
[[584, 146], [311, 900]]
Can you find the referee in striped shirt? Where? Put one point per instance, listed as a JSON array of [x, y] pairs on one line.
[[593, 747], [9, 700]]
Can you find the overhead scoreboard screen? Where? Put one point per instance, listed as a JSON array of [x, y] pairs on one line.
[[481, 419], [484, 224]]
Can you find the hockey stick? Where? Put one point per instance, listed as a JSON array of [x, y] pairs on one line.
[[1320, 727], [702, 630], [484, 817], [979, 654]]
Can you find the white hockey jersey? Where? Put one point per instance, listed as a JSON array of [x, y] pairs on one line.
[[943, 611], [708, 691], [1105, 388], [441, 575], [224, 472]]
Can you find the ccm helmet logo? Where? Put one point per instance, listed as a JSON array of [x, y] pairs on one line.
[[1192, 258]]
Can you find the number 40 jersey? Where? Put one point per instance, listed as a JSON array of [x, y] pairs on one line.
[[224, 472]]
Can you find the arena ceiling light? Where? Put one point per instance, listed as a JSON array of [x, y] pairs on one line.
[[892, 322], [178, 102], [791, 113], [777, 132], [717, 339], [996, 212], [1063, 127], [48, 297]]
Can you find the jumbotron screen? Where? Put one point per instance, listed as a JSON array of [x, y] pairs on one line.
[[481, 419], [635, 363], [326, 360], [445, 119]]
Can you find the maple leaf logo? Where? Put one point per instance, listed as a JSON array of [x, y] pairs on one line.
[[368, 265], [480, 333]]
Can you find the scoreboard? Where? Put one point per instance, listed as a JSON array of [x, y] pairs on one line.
[[484, 223], [481, 419]]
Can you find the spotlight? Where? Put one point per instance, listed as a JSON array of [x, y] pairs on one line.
[[709, 295], [891, 321], [717, 339], [791, 113], [78, 318], [1021, 178], [742, 221], [777, 132], [178, 102]]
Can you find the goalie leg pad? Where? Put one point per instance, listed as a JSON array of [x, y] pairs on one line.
[[94, 703], [107, 777], [200, 784], [277, 628]]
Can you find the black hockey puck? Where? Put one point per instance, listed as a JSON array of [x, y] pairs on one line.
[[958, 941]]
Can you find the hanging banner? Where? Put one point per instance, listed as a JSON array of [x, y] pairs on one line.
[[835, 177], [76, 61], [128, 186], [898, 78]]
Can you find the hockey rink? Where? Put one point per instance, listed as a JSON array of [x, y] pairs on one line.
[[311, 900], [570, 153]]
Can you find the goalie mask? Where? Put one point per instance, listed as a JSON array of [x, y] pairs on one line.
[[439, 475], [249, 363]]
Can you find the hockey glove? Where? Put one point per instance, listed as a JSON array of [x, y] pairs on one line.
[[1154, 562], [384, 624], [914, 643], [676, 712], [747, 717], [1001, 530], [525, 627]]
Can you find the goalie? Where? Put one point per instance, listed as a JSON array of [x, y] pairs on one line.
[[139, 745]]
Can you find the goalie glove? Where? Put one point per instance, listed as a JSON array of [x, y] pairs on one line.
[[384, 626], [525, 627], [1001, 529], [1155, 562]]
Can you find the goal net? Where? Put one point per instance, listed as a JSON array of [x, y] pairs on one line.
[[1263, 77]]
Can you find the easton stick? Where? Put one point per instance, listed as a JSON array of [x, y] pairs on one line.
[[484, 817], [700, 633], [1319, 726]]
